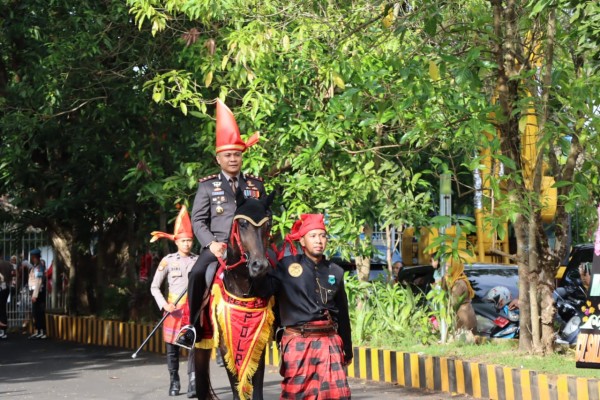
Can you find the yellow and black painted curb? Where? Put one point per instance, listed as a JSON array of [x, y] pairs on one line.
[[485, 381]]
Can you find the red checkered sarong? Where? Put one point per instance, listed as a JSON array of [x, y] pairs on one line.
[[176, 320], [312, 366]]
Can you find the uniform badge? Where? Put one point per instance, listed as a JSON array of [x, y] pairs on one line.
[[295, 270], [219, 210], [331, 279], [162, 265], [217, 184]]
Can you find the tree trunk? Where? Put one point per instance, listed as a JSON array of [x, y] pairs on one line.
[[534, 276], [363, 264], [62, 240], [525, 340]]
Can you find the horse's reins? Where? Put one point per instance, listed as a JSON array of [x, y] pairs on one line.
[[234, 239]]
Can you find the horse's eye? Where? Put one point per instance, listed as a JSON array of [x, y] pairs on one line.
[[243, 223]]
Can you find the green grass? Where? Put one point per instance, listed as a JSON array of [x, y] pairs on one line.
[[392, 317], [506, 353]]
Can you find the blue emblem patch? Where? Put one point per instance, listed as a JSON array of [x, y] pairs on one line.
[[331, 280]]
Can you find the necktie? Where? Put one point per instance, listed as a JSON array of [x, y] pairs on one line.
[[233, 183]]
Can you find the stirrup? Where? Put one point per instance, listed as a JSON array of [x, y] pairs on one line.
[[186, 337]]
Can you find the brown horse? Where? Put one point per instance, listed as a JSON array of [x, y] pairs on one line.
[[242, 320]]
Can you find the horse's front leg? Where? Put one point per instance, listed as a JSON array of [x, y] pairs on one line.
[[258, 379], [233, 382], [202, 365]]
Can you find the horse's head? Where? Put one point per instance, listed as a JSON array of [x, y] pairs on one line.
[[250, 233]]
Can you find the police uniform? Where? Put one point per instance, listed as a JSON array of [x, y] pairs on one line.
[[214, 207], [175, 268], [212, 217]]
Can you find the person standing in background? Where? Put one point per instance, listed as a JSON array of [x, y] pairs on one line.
[[175, 268], [37, 290], [6, 279]]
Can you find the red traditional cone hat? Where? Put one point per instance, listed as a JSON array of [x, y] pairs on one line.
[[228, 133], [183, 228], [305, 224]]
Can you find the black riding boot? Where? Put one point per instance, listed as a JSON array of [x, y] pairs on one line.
[[173, 366], [175, 385]]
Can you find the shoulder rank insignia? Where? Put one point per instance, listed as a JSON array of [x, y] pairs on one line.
[[258, 178], [206, 178]]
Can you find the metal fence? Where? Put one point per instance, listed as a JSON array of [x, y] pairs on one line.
[[18, 308], [19, 246]]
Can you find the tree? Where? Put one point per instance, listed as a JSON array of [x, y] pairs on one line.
[[364, 104], [75, 121]]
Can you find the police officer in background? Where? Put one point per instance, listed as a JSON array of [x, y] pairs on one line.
[[175, 268], [214, 207], [37, 290]]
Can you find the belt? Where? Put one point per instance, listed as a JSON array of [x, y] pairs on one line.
[[309, 330]]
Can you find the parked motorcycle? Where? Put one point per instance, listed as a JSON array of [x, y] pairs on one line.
[[497, 323], [494, 318], [569, 300]]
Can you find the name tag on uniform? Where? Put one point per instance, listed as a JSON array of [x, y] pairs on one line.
[[175, 272]]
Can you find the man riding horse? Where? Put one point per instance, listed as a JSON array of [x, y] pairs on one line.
[[212, 216], [214, 207]]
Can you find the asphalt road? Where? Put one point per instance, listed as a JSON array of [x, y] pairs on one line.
[[52, 369]]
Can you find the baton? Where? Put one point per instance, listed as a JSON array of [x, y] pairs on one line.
[[134, 355]]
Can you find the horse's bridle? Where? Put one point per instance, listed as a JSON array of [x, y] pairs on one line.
[[234, 239]]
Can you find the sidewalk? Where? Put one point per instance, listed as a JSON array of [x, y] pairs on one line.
[[55, 369]]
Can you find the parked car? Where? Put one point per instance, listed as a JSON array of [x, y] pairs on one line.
[[569, 271], [379, 267]]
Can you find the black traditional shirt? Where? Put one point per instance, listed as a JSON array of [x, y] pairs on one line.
[[306, 292]]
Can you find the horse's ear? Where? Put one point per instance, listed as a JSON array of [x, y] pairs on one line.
[[239, 197]]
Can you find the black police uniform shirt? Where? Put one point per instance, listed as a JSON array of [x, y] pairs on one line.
[[306, 292], [214, 205]]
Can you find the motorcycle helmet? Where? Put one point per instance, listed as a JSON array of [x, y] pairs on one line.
[[499, 295]]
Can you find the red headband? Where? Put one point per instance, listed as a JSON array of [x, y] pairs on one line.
[[306, 223]]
